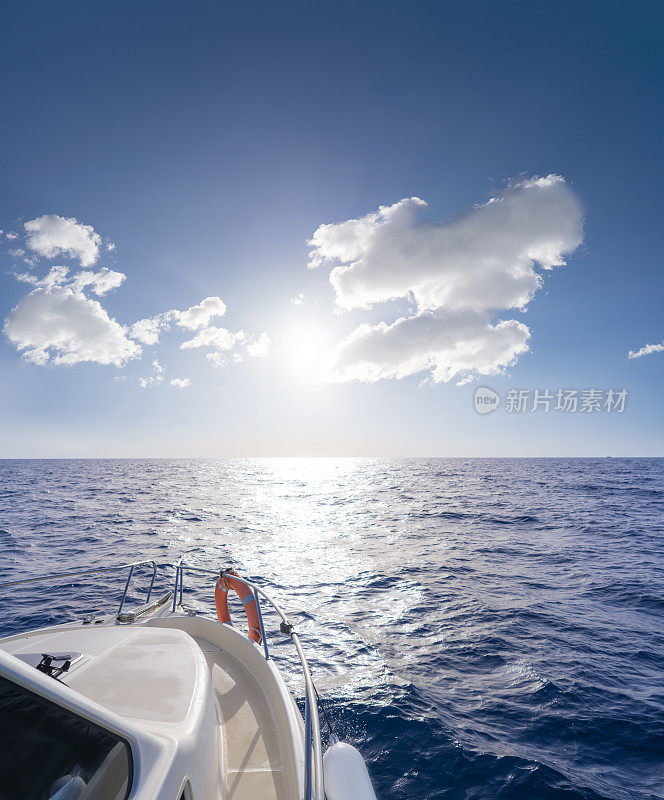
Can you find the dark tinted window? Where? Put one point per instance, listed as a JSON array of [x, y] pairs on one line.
[[44, 748]]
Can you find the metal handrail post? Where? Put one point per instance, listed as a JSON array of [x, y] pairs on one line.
[[260, 624], [154, 575], [124, 594], [175, 588], [307, 748]]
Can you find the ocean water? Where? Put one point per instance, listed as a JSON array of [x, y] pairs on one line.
[[478, 628]]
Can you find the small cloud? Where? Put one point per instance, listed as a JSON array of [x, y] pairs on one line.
[[216, 359], [297, 301], [193, 319], [11, 236], [147, 330], [51, 235], [110, 247], [181, 383], [238, 358], [200, 316], [646, 350], [260, 346], [220, 338], [153, 380], [98, 282], [147, 383], [26, 277]]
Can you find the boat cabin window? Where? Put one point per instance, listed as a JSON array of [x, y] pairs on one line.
[[50, 753]]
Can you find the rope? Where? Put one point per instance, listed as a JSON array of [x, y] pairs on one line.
[[320, 703]]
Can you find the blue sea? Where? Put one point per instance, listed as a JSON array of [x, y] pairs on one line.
[[480, 629]]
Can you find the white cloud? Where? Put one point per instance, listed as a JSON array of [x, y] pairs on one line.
[[194, 318], [147, 383], [110, 247], [52, 235], [465, 270], [158, 377], [297, 301], [56, 325], [147, 330], [11, 236], [98, 282], [646, 350], [260, 346], [200, 316], [216, 359], [219, 338], [26, 277], [220, 361], [483, 259], [181, 383], [455, 346]]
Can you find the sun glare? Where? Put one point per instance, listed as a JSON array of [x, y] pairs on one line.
[[303, 348]]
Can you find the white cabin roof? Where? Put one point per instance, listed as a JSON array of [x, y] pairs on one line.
[[142, 674]]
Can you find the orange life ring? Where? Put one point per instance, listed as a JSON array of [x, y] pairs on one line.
[[248, 601]]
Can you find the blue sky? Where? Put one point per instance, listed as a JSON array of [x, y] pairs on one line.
[[209, 142]]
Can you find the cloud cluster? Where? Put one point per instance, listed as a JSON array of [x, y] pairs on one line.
[[59, 323], [223, 342], [51, 235], [460, 274], [158, 376], [198, 319]]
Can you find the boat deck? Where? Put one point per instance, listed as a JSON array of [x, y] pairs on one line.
[[148, 675], [253, 758]]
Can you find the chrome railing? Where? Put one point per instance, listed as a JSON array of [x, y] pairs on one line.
[[76, 573], [314, 788]]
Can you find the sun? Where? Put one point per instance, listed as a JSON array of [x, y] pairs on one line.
[[303, 348]]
